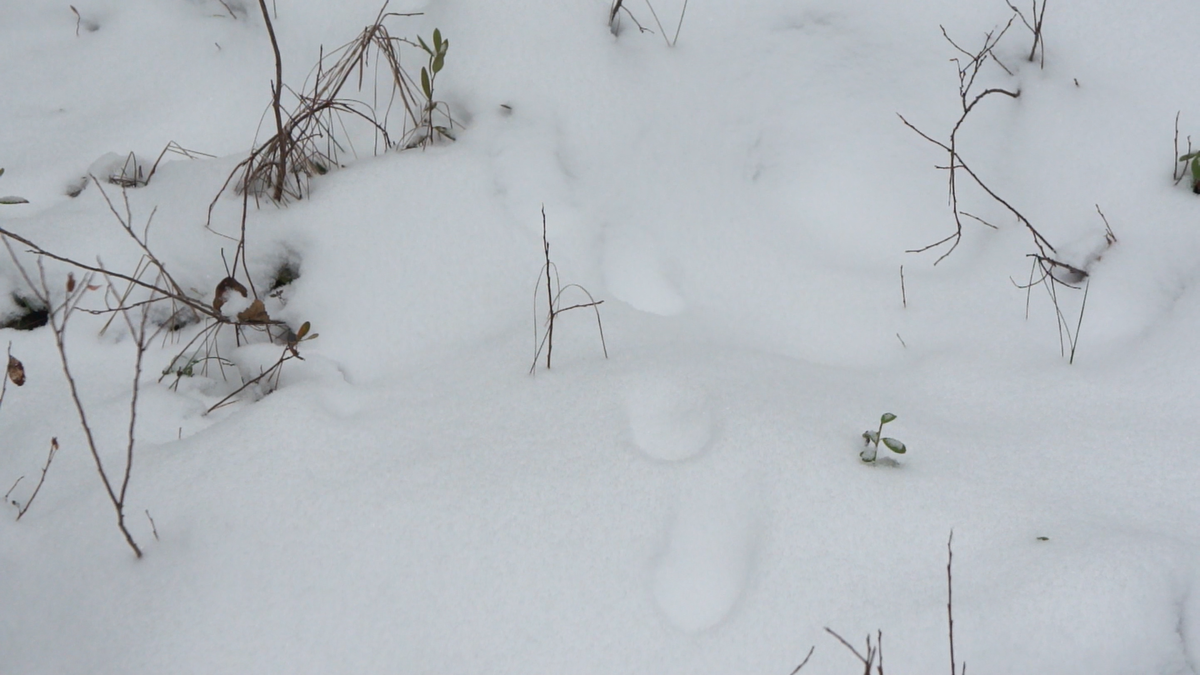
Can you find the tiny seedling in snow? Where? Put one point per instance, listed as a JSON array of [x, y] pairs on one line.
[[1193, 160], [873, 438]]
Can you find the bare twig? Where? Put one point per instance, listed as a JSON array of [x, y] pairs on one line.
[[1037, 15], [49, 458], [153, 527], [554, 301], [6, 377], [228, 9], [903, 293], [277, 107], [1079, 325], [1045, 256], [59, 317], [873, 651], [663, 31], [1181, 165], [950, 602], [1109, 237], [805, 661], [14, 487], [274, 370]]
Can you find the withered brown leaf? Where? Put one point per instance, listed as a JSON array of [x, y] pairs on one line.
[[16, 371], [227, 284], [255, 313]]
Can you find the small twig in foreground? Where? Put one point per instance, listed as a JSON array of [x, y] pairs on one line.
[[153, 528], [873, 651], [14, 487], [554, 298], [950, 603], [49, 458], [1035, 28], [805, 661]]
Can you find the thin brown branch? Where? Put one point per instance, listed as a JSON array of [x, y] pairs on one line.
[[14, 487], [805, 661], [153, 527], [276, 91], [288, 354], [847, 645], [950, 600], [49, 458]]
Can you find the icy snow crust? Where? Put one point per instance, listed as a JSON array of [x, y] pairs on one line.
[[411, 500]]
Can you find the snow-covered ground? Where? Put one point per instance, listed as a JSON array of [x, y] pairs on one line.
[[410, 499]]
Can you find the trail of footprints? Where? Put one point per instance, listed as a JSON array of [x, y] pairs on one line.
[[704, 560]]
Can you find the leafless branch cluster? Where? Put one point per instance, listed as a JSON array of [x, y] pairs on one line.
[[1048, 269], [874, 651], [619, 6], [312, 138], [150, 302], [554, 293], [136, 317], [1034, 24]]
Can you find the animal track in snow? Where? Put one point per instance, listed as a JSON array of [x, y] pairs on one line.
[[703, 570], [634, 273], [669, 421]]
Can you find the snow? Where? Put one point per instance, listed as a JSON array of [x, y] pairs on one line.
[[410, 498]]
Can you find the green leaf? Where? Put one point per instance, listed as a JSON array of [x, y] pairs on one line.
[[438, 62], [13, 200], [894, 445], [867, 455], [1196, 168], [887, 417], [871, 437], [437, 40], [424, 46], [1182, 158], [304, 327], [425, 83], [1, 172]]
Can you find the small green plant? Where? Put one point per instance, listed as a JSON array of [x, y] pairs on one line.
[[10, 199], [873, 438], [1193, 161], [429, 73]]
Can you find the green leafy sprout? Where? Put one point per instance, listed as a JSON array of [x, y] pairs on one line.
[[1193, 160], [12, 200], [429, 73], [873, 438]]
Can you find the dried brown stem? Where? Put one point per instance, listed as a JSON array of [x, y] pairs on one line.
[[805, 661], [950, 602], [873, 651], [553, 300], [49, 458]]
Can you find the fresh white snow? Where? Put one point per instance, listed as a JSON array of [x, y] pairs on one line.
[[410, 499]]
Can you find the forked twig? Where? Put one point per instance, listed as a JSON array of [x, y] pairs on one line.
[[873, 651], [554, 300], [1035, 28]]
